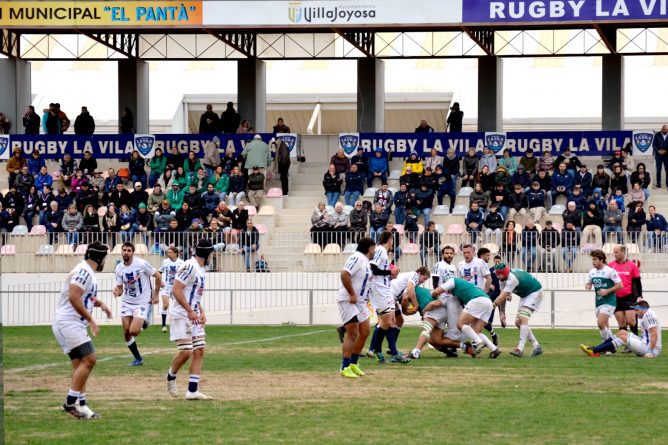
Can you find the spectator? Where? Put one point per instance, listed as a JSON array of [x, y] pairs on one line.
[[84, 124], [636, 220], [127, 223], [257, 153], [24, 181], [50, 121], [215, 235], [280, 126], [220, 182], [569, 245], [455, 119], [91, 222], [377, 221], [209, 122], [660, 145], [226, 217], [52, 220], [63, 199], [396, 241], [14, 200], [31, 208], [433, 161], [488, 159], [229, 119], [657, 228], [573, 215], [9, 218], [429, 179], [72, 223], [158, 165], [545, 182], [43, 203], [127, 121], [175, 196], [470, 168], [229, 161], [546, 162], [400, 199], [210, 199], [509, 246], [413, 164], [378, 167], [503, 177], [256, 187], [619, 180], [636, 194], [430, 244], [612, 218], [445, 186], [451, 165], [578, 198], [339, 225], [628, 165], [474, 221], [5, 125], [425, 202], [179, 178], [361, 161], [410, 225], [384, 197], [144, 221], [35, 162], [536, 201], [249, 242], [424, 127], [549, 241], [508, 162], [88, 164], [410, 179], [642, 177], [332, 184], [529, 161], [501, 198], [359, 221], [244, 127], [200, 180], [190, 167], [162, 216], [211, 155], [616, 159], [493, 225], [120, 196], [618, 197], [86, 197], [97, 184], [584, 178], [110, 223], [479, 197], [518, 202], [601, 180], [174, 160], [320, 225], [529, 245], [592, 220], [110, 185], [283, 163], [570, 160], [31, 121], [521, 177], [14, 165], [136, 167], [77, 180], [184, 216], [562, 183], [486, 178], [354, 186], [237, 190]]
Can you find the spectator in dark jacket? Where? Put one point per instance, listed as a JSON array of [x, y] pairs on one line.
[[562, 183], [120, 196], [430, 244], [601, 180], [657, 228], [86, 197], [354, 186], [35, 163], [572, 215], [446, 187], [88, 164], [517, 202], [127, 121], [493, 225], [660, 145], [578, 198], [619, 180], [592, 223], [84, 124], [501, 198], [13, 200], [530, 236], [400, 199], [340, 162], [549, 241], [210, 200], [570, 240], [425, 201], [583, 178], [361, 161], [358, 221], [377, 221], [474, 221], [470, 168], [229, 119], [138, 195], [209, 122], [31, 121], [249, 242], [636, 220], [412, 180], [521, 177], [194, 200], [331, 182], [642, 177], [137, 170]]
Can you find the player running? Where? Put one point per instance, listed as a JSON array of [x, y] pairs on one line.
[[648, 346], [134, 274], [352, 300], [78, 297], [530, 291], [477, 310], [188, 320], [631, 289], [168, 271], [605, 282]]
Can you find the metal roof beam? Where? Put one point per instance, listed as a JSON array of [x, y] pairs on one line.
[[608, 35], [365, 41], [126, 44], [483, 37], [9, 43], [244, 42]]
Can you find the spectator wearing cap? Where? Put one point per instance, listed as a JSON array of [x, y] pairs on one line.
[[584, 178], [211, 155], [14, 165], [144, 221], [156, 198], [256, 183], [137, 168], [9, 218], [529, 161], [536, 200], [86, 197], [340, 162], [175, 196], [354, 186], [361, 161], [88, 164], [660, 145], [433, 160], [521, 177], [488, 159], [97, 184], [257, 153], [43, 203], [413, 162], [562, 183], [13, 200], [35, 162], [158, 165], [378, 168], [503, 176], [138, 195], [616, 159], [162, 216]]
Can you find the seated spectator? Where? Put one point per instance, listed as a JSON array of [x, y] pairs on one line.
[[239, 218], [86, 197], [619, 180], [546, 162], [180, 178], [63, 199], [378, 168], [72, 223], [509, 245], [110, 184], [225, 217], [31, 208], [35, 163], [120, 196], [110, 224], [488, 159], [249, 242], [68, 167], [636, 220], [616, 160], [43, 178], [14, 165], [173, 237], [221, 182], [354, 186], [138, 196], [598, 199], [24, 181], [493, 225], [629, 164], [572, 215], [618, 197], [503, 177], [13, 200], [156, 198], [194, 200], [549, 242], [545, 182], [501, 198], [9, 218], [425, 202], [657, 230], [414, 163], [529, 161], [43, 203], [612, 219], [433, 160], [570, 160], [445, 187], [429, 179], [184, 216], [91, 224], [562, 183], [470, 164], [578, 198], [529, 245], [331, 182], [361, 161], [237, 187], [430, 244], [320, 225], [359, 221], [592, 221], [474, 221], [384, 197], [642, 176], [97, 185], [144, 222], [400, 199], [570, 240], [377, 221], [174, 159], [452, 165], [210, 200], [486, 178], [127, 223], [479, 197], [340, 162], [517, 202], [584, 178], [410, 179], [424, 127], [509, 163], [88, 164], [339, 225], [53, 218], [137, 170], [175, 196], [166, 180], [636, 194], [158, 165], [256, 187], [77, 180], [200, 180], [601, 180], [162, 216], [215, 235], [190, 166], [521, 177]]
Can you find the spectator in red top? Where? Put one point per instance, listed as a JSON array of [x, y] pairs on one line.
[[341, 162], [631, 289]]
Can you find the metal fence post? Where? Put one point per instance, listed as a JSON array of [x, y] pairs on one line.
[[310, 307], [552, 312], [231, 306]]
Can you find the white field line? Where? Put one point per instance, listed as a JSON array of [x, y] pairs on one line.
[[163, 351]]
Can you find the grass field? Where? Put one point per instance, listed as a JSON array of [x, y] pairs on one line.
[[280, 385]]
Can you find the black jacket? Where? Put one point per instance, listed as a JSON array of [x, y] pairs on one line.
[[31, 123], [209, 128], [84, 124]]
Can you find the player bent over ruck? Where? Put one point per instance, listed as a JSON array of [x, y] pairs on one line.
[[188, 320]]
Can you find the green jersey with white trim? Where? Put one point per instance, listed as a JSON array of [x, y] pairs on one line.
[[604, 278], [463, 290], [526, 285]]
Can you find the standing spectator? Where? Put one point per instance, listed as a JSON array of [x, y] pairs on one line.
[[340, 162], [569, 245], [320, 225], [331, 182], [642, 177], [377, 222], [592, 221], [127, 121], [158, 165], [31, 208], [283, 163], [280, 126], [509, 245], [636, 220], [72, 223], [470, 170], [35, 162], [229, 119], [529, 245], [237, 190], [400, 199], [430, 244], [136, 167], [424, 127], [257, 153], [434, 160], [5, 125], [239, 218], [584, 178], [209, 122], [546, 162], [88, 164], [529, 161], [378, 167], [358, 221], [474, 221], [256, 182], [211, 155], [244, 127], [84, 124], [354, 186], [549, 241], [50, 120], [657, 228], [455, 119], [249, 242], [31, 121], [62, 119], [68, 168], [14, 165], [384, 197], [445, 187], [660, 145], [612, 218]]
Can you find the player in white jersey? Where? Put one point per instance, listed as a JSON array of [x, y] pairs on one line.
[[648, 346], [188, 320], [606, 282], [403, 289], [133, 283], [352, 299], [73, 315], [168, 271], [474, 270]]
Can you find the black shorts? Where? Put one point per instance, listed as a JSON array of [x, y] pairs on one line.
[[625, 303]]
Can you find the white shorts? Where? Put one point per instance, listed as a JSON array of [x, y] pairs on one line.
[[180, 329], [135, 310], [166, 292], [381, 300], [198, 330], [440, 315], [480, 308], [606, 309], [348, 311], [638, 346], [454, 311], [70, 335], [532, 301]]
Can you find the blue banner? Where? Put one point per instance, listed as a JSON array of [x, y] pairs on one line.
[[527, 11], [120, 146]]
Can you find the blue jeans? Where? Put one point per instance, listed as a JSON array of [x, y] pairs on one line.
[[503, 210], [661, 163], [370, 177], [332, 198], [140, 178], [426, 214], [72, 237], [126, 235], [659, 240], [555, 193], [474, 234], [247, 250], [42, 218], [153, 179], [615, 229], [399, 215], [531, 258], [374, 233], [28, 216], [569, 254], [351, 198]]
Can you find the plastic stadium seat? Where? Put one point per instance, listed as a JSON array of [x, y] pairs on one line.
[[460, 209], [607, 248], [267, 210], [102, 211], [8, 249], [350, 248], [252, 211], [455, 229], [465, 192], [149, 191], [311, 249], [232, 248], [400, 228], [454, 246], [493, 248], [410, 249], [394, 190], [20, 230], [262, 228], [440, 228], [65, 249], [45, 249], [332, 249], [141, 249], [274, 192], [347, 209], [586, 249], [518, 229], [81, 249], [38, 230], [539, 227], [394, 175], [118, 249], [632, 249], [330, 210], [420, 229], [557, 226], [557, 209], [369, 192], [441, 210]]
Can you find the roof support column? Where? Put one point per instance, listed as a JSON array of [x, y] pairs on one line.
[[612, 97], [490, 93], [15, 84], [133, 92], [252, 92], [370, 95]]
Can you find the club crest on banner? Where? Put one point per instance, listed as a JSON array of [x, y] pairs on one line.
[[291, 140], [145, 145], [642, 142], [4, 146], [495, 141], [349, 143]]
